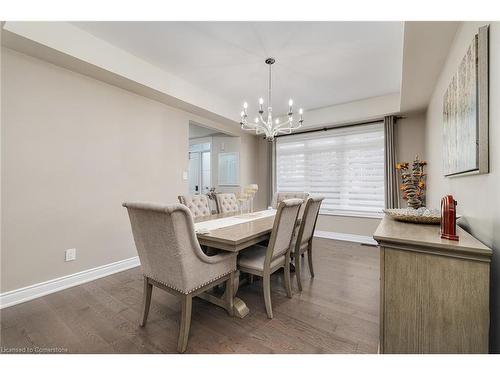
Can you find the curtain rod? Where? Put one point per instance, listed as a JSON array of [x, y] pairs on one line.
[[331, 127]]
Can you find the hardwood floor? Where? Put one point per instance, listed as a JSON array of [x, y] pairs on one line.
[[337, 312]]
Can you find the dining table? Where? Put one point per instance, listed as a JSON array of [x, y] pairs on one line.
[[233, 232]]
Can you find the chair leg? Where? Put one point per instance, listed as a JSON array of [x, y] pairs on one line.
[[298, 272], [229, 294], [146, 301], [267, 295], [310, 260], [187, 303], [288, 284]]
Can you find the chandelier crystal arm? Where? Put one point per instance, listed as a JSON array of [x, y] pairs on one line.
[[262, 120]]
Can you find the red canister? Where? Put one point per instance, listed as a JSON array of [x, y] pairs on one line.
[[449, 218]]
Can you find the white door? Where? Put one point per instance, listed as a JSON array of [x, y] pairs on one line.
[[194, 173], [205, 172], [199, 172]]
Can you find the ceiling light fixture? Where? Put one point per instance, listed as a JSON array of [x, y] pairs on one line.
[[269, 127]]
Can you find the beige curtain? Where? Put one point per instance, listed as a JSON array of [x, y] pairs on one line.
[[391, 177], [271, 186]]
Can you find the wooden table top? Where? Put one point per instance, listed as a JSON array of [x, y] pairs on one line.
[[236, 237], [426, 235]]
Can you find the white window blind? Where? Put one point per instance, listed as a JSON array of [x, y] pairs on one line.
[[344, 165]]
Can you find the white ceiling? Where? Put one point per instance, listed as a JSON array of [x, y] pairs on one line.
[[318, 63]]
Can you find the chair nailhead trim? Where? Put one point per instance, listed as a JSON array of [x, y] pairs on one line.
[[192, 290]]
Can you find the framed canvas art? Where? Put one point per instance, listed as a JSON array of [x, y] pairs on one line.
[[465, 112]]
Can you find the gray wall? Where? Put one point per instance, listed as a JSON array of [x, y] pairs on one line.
[[410, 140], [73, 149], [477, 196]]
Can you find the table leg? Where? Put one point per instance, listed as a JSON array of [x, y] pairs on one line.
[[237, 281], [240, 309]]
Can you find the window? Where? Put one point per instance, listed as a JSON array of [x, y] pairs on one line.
[[345, 165]]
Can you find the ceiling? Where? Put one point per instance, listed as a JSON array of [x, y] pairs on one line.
[[317, 63]]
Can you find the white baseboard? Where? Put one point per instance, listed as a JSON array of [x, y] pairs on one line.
[[27, 293], [367, 240]]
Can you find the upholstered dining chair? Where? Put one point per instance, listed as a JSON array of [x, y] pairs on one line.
[[197, 204], [302, 241], [171, 259], [261, 261], [226, 202], [282, 195]]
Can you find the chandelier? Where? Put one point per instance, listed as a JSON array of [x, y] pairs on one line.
[[266, 125]]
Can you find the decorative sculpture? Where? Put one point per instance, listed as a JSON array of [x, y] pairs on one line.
[[251, 191], [413, 182], [212, 195], [247, 196]]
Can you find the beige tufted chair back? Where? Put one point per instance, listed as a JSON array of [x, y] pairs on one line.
[[282, 195], [227, 202], [169, 250], [197, 204]]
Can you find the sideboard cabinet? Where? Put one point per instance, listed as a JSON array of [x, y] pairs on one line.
[[434, 293]]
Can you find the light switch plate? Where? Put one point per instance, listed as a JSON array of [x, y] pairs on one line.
[[184, 176], [70, 255]]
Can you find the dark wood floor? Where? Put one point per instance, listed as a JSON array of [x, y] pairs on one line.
[[337, 312]]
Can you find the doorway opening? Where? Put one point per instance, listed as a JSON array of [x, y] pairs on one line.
[[213, 161], [200, 168]]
